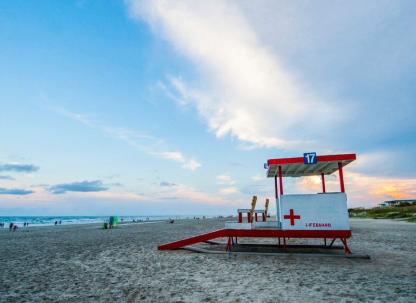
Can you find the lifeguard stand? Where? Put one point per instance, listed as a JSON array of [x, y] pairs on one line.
[[323, 215]]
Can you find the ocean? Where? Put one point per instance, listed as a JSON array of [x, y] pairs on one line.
[[50, 220]]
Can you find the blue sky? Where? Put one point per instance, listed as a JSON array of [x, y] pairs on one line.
[[162, 107]]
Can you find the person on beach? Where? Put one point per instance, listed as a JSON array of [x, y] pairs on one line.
[[14, 227], [11, 226], [56, 223]]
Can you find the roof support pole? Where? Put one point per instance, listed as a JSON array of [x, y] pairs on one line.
[[341, 177], [275, 188], [280, 180], [276, 193], [323, 182]]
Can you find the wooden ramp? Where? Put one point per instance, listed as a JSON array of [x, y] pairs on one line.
[[193, 240], [233, 234]]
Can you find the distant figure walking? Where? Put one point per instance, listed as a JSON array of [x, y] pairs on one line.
[[14, 227], [56, 223], [11, 226]]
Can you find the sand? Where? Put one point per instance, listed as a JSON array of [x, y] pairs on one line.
[[84, 263]]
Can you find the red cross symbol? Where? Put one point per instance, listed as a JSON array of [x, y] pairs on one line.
[[292, 217]]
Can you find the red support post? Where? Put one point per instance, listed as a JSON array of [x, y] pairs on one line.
[[323, 182], [249, 217], [280, 180], [341, 177], [347, 250], [263, 217], [240, 217], [228, 247], [255, 217]]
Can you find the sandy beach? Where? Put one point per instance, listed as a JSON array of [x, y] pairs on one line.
[[84, 263]]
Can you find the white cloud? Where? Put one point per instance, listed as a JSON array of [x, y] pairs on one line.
[[176, 156], [158, 194], [140, 141], [189, 193], [187, 163], [229, 190], [225, 179], [247, 92], [191, 164]]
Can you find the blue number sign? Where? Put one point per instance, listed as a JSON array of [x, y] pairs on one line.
[[309, 158]]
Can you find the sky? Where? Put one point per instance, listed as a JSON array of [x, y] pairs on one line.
[[172, 107]]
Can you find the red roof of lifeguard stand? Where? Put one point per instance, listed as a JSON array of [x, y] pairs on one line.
[[295, 167]]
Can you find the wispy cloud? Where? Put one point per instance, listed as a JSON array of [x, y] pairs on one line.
[[248, 92], [225, 179], [140, 141], [249, 88], [15, 191], [228, 184], [84, 186], [167, 184], [229, 190], [187, 163], [189, 193], [6, 178], [19, 168]]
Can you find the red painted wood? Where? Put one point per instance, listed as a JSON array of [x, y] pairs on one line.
[[322, 158], [341, 177], [269, 233], [257, 233], [323, 183], [193, 240], [291, 216]]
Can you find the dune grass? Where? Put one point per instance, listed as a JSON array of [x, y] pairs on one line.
[[407, 213]]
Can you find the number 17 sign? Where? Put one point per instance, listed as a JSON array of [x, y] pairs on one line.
[[309, 158]]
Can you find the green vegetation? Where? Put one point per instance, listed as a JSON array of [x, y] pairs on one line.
[[405, 212]]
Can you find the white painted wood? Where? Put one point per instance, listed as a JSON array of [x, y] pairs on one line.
[[317, 211], [236, 225]]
